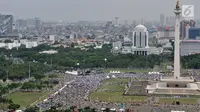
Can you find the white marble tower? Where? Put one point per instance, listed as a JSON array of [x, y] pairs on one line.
[[177, 12]]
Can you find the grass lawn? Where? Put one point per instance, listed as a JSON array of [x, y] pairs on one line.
[[112, 84], [181, 100], [115, 97], [116, 92], [125, 70], [116, 80], [25, 99], [112, 87]]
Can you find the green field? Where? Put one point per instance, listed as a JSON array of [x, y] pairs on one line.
[[115, 93], [125, 70], [181, 100], [115, 80], [25, 99], [112, 87], [115, 97]]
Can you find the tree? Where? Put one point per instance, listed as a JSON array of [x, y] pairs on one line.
[[7, 41], [72, 45], [13, 106]]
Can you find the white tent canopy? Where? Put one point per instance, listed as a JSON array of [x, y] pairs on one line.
[[107, 77], [113, 76]]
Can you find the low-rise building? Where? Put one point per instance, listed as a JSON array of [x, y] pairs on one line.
[[49, 52], [12, 45], [189, 47], [31, 44]]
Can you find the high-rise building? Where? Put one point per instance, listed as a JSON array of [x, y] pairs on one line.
[[194, 33], [37, 23], [117, 21], [184, 26], [162, 19], [167, 21], [6, 24], [20, 24], [172, 20], [135, 23], [33, 23]]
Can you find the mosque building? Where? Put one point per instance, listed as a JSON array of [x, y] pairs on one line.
[[138, 44]]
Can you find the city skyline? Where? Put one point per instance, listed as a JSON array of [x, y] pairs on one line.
[[90, 10]]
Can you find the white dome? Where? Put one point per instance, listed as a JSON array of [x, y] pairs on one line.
[[140, 28]]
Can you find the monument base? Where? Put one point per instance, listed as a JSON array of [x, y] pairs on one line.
[[177, 82], [180, 86]]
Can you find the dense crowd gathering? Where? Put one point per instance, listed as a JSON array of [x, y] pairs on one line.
[[76, 89]]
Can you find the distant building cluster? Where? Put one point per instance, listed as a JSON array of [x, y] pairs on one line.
[[153, 38], [137, 44], [22, 24], [18, 43], [167, 20]]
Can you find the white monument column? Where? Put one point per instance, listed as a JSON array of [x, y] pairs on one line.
[[177, 12]]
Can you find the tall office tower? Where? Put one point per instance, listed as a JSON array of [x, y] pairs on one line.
[[37, 23], [20, 24], [162, 19], [116, 20], [167, 21], [142, 21], [33, 23], [172, 20], [134, 23], [6, 24], [184, 26], [126, 22]]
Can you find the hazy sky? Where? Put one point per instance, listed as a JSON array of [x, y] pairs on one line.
[[73, 10]]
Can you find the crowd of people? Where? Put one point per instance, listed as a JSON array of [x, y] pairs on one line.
[[74, 91]]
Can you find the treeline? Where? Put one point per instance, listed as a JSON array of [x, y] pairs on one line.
[[68, 57], [12, 71], [191, 61]]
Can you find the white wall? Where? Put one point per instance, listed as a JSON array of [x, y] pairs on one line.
[[31, 44]]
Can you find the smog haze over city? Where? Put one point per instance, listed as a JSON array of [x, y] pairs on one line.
[[99, 55], [94, 10]]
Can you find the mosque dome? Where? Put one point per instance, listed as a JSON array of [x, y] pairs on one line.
[[140, 28]]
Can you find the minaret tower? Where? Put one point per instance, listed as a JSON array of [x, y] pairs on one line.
[[177, 12]]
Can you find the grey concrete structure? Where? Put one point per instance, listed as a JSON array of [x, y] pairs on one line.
[[176, 84], [189, 47], [177, 12]]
